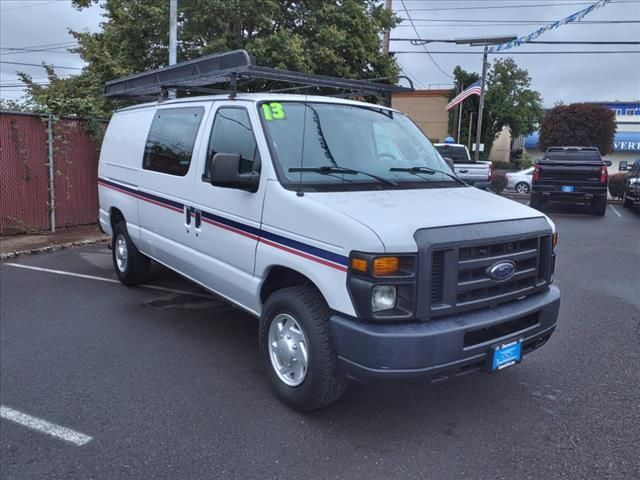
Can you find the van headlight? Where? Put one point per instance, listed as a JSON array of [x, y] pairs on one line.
[[383, 286], [383, 297]]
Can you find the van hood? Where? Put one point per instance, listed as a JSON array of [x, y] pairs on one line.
[[395, 215]]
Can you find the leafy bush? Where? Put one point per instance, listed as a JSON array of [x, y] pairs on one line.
[[524, 162], [579, 124], [498, 182], [617, 184]]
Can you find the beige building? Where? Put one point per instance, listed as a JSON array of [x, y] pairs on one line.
[[428, 109]]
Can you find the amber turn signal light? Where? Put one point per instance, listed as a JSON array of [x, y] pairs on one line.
[[359, 264], [385, 266], [554, 240]]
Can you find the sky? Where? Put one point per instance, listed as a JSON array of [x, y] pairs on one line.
[[44, 24]]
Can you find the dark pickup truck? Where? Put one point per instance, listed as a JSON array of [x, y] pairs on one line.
[[571, 175], [631, 196]]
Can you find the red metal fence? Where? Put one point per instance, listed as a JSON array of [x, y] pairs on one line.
[[24, 173]]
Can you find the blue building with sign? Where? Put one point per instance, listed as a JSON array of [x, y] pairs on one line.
[[626, 145]]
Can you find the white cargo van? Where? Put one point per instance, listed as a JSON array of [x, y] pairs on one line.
[[339, 226]]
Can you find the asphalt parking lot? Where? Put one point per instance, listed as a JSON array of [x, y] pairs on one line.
[[164, 382]]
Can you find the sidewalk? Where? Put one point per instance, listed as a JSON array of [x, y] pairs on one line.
[[13, 246]]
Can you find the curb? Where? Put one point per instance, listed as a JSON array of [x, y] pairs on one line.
[[52, 248]]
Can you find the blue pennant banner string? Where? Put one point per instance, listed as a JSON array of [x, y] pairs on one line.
[[576, 17]]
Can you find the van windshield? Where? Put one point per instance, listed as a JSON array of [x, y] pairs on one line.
[[324, 146]]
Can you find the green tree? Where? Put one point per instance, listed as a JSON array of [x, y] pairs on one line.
[[337, 37], [509, 101], [580, 124]]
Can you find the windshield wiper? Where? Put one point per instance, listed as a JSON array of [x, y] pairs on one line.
[[428, 170], [328, 169]]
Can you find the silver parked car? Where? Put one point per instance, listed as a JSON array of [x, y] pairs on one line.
[[520, 181]]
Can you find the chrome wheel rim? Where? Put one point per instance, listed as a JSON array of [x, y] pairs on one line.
[[288, 350], [121, 252], [522, 188]]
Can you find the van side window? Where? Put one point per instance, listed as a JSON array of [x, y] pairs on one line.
[[232, 133], [171, 139]]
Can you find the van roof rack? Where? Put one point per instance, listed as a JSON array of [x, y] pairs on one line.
[[198, 75]]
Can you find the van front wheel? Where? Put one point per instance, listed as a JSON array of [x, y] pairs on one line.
[[131, 266], [297, 349]]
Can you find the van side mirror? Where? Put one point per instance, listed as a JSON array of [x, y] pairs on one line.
[[607, 163], [622, 166], [225, 172], [450, 163]]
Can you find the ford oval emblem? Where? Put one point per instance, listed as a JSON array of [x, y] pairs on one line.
[[502, 270]]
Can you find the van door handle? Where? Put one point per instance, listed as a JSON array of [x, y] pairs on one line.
[[198, 219], [187, 215]]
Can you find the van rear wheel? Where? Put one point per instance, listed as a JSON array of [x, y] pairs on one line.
[[131, 266], [297, 349]]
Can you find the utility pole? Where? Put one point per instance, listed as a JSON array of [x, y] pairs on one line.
[[173, 37], [387, 32], [482, 82]]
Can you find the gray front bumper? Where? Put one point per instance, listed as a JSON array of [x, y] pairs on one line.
[[440, 348]]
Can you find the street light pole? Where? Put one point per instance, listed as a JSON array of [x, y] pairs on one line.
[[173, 37], [482, 82], [484, 42], [387, 33]]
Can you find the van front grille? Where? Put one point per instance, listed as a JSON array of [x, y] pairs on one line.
[[474, 287]]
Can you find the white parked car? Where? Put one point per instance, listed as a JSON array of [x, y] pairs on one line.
[[520, 181], [338, 225]]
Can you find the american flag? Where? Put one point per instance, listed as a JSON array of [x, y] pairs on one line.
[[473, 89]]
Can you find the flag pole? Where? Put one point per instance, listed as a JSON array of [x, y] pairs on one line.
[[469, 133], [459, 115]]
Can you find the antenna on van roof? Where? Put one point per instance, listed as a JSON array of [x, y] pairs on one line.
[[198, 75]]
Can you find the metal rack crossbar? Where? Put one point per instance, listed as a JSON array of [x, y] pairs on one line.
[[199, 74]]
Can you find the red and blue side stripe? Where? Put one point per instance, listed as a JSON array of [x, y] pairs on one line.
[[294, 247]]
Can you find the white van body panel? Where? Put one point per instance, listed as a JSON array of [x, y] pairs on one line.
[[121, 160], [314, 239], [395, 215]]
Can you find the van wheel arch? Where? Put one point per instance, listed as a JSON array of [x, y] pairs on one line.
[[115, 216], [280, 277]]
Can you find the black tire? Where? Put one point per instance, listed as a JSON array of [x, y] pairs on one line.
[[135, 269], [526, 188], [324, 381], [535, 202], [599, 207], [626, 203]]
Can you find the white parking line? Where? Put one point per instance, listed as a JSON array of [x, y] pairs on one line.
[[43, 426], [615, 211], [104, 279]]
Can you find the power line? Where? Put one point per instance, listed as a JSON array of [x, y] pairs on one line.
[[40, 65], [515, 22], [486, 7], [542, 52], [420, 41], [29, 6], [425, 48]]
